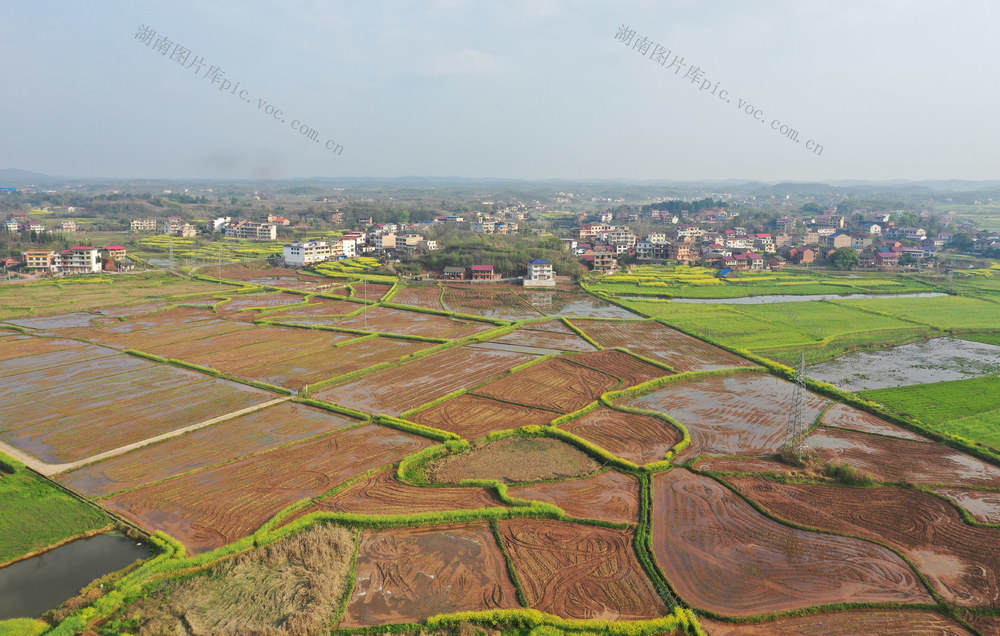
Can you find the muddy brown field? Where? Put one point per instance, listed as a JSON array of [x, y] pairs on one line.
[[216, 506], [394, 391], [641, 439], [961, 561], [843, 416], [721, 554], [739, 414], [388, 320], [409, 574], [221, 442], [474, 417], [661, 343], [609, 496], [384, 494], [926, 462], [629, 369], [983, 505], [578, 571], [556, 384]]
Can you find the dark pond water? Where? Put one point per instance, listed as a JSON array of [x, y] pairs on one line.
[[31, 587]]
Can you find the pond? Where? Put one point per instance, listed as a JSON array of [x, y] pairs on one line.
[[788, 298], [31, 587]]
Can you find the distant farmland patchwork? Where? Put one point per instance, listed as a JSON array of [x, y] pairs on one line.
[[496, 449]]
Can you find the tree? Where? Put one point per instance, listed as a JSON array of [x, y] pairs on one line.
[[845, 258], [907, 259], [962, 241]]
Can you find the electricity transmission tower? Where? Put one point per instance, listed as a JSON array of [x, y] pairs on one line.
[[796, 427]]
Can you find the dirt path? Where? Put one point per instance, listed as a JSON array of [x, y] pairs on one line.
[[53, 469]]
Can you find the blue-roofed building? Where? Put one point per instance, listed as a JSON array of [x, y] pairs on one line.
[[540, 274]]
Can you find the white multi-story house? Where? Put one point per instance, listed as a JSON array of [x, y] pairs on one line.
[[253, 231], [540, 274], [79, 260], [143, 225]]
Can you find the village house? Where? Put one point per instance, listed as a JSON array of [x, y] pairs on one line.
[[453, 273], [299, 254], [143, 225], [484, 272], [540, 274]]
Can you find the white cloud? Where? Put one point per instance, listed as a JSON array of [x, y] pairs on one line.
[[462, 62]]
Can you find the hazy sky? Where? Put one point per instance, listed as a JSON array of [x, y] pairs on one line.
[[510, 88]]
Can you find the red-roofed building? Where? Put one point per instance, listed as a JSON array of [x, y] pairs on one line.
[[484, 272]]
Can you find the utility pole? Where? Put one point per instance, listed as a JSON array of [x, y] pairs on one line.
[[794, 431]]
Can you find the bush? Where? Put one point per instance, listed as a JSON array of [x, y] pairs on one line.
[[848, 475]]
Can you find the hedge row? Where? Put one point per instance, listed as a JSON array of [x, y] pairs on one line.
[[417, 429], [530, 619]]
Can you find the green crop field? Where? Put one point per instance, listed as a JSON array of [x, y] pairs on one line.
[[945, 312], [968, 408], [194, 249], [682, 281], [782, 331], [37, 514]]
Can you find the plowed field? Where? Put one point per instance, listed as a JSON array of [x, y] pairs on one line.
[[852, 623], [409, 574], [419, 296], [14, 345], [661, 343], [641, 439], [722, 555], [492, 302], [292, 363], [609, 496], [225, 441], [208, 509], [578, 571], [388, 320], [744, 465], [383, 494], [628, 368], [926, 462], [70, 422], [130, 336], [402, 388], [983, 505], [573, 303], [370, 291], [555, 384], [473, 417], [546, 340], [845, 416], [741, 414], [961, 561]]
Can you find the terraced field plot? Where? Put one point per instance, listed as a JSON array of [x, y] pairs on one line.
[[546, 340], [428, 296], [304, 356], [492, 302], [396, 390], [722, 555], [216, 506], [555, 384], [409, 574], [387, 320], [582, 572], [628, 368], [383, 494], [843, 416], [926, 463], [608, 496], [473, 417], [573, 304], [227, 440], [983, 505], [961, 561], [739, 414], [661, 343], [117, 402], [641, 439]]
